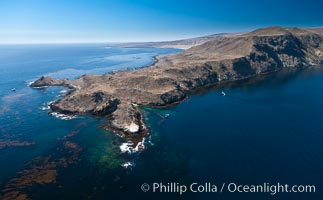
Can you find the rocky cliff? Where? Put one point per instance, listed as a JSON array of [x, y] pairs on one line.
[[119, 96]]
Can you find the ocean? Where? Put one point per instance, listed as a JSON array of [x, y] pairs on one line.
[[265, 130]]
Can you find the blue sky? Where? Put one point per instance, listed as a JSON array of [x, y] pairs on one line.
[[60, 21]]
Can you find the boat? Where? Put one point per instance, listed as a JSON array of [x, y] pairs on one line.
[[162, 116], [223, 93], [13, 89]]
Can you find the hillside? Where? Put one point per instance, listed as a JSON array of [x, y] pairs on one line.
[[118, 96], [181, 44]]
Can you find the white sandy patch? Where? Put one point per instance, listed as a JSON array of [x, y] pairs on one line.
[[133, 128]]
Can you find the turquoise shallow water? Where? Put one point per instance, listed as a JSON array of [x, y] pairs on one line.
[[266, 129]]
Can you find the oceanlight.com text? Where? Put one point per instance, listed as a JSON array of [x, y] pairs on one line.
[[272, 189]]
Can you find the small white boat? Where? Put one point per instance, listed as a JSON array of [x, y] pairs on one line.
[[13, 89], [162, 116], [223, 93]]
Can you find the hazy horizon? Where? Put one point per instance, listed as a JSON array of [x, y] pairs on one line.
[[85, 21]]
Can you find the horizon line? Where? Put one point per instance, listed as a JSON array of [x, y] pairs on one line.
[[150, 41]]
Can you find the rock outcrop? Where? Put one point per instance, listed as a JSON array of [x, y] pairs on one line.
[[119, 95], [46, 81]]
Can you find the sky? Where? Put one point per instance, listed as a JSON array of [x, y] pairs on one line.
[[78, 21]]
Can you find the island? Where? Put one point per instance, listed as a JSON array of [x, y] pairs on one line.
[[119, 96]]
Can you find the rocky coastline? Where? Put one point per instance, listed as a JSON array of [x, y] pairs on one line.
[[119, 96]]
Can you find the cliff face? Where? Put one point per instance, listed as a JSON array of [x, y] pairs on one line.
[[118, 95], [261, 51]]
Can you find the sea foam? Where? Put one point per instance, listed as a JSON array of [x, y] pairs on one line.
[[63, 116]]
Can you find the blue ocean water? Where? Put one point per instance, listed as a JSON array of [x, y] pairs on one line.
[[26, 129], [265, 130]]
